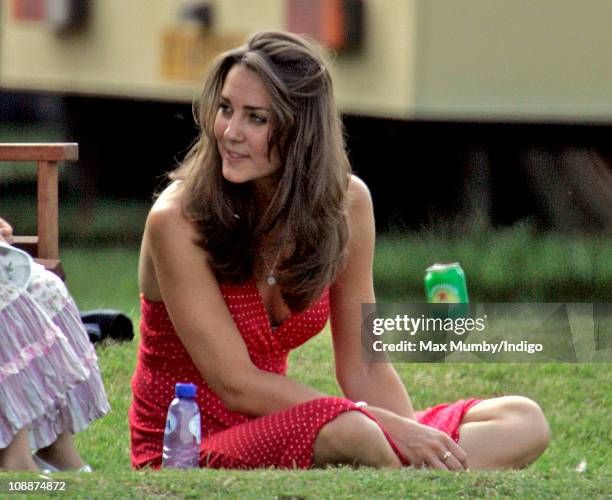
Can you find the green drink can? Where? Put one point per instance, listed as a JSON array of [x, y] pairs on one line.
[[445, 284]]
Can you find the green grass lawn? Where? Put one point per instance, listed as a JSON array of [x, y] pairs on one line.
[[576, 398]]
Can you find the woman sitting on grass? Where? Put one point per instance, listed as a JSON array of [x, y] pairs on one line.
[[50, 385], [264, 235]]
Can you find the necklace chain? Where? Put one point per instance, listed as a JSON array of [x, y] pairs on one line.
[[271, 278]]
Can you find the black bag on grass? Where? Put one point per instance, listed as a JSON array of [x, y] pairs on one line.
[[103, 323]]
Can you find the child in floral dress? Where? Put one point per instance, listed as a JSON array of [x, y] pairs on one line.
[[50, 383]]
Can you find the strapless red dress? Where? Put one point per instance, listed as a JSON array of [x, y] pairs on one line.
[[229, 439]]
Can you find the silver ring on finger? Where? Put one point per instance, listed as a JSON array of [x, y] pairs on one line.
[[446, 456]]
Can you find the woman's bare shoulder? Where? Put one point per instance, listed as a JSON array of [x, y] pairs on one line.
[[360, 198], [167, 212], [169, 200]]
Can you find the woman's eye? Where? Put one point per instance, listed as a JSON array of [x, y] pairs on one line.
[[224, 107], [259, 119]]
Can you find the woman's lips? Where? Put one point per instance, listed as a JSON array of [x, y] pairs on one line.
[[234, 156]]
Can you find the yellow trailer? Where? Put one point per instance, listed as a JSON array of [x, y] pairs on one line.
[[542, 60]]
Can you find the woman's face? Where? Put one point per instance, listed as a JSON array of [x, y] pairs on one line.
[[242, 128]]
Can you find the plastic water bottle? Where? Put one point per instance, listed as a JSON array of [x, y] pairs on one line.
[[182, 436]]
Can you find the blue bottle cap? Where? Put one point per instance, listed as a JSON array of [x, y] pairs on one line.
[[185, 390]]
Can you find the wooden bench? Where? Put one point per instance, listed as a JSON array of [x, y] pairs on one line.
[[45, 245]]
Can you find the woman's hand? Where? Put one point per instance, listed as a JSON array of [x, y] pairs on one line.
[[423, 446], [6, 232]]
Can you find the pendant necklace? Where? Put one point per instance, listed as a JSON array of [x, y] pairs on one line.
[[271, 279]]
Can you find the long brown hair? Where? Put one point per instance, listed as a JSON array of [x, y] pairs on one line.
[[310, 202]]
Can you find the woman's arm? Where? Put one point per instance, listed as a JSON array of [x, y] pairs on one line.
[[202, 320], [377, 383]]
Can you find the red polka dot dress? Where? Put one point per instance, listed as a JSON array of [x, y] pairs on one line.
[[232, 440]]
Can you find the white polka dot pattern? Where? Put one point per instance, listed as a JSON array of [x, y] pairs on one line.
[[163, 361], [284, 439]]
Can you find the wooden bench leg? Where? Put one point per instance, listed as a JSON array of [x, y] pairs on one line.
[[48, 214]]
